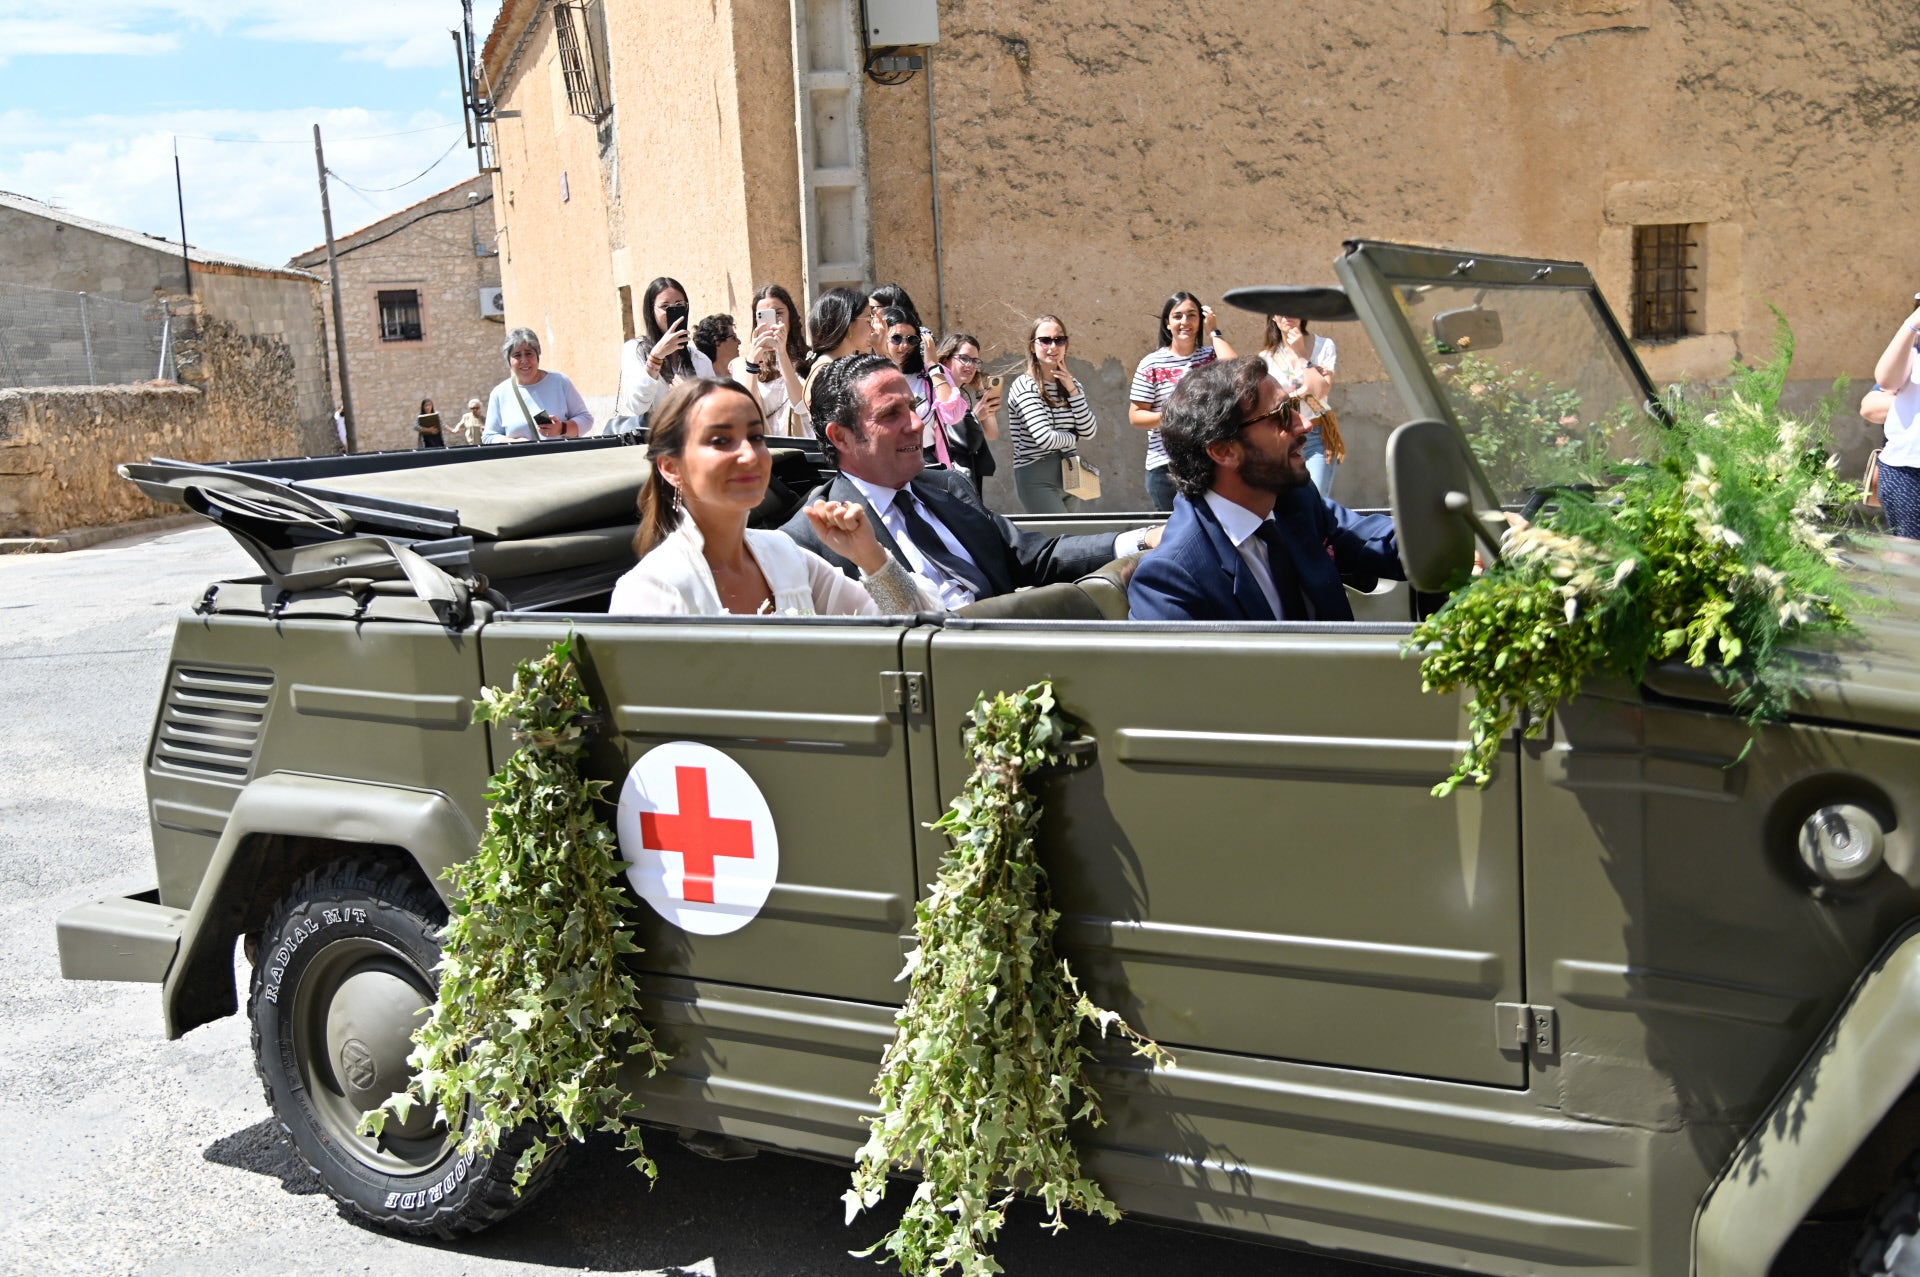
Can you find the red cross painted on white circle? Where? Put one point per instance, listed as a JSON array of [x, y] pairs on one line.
[[699, 837]]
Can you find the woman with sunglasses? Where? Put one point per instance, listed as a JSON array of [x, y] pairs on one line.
[[1300, 361], [1182, 320], [959, 353], [936, 400], [1047, 415]]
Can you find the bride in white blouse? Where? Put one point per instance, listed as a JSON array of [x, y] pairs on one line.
[[707, 445]]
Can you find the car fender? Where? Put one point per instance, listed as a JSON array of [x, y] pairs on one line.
[[425, 824], [1847, 1083]]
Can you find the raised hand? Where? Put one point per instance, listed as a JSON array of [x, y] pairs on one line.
[[842, 527]]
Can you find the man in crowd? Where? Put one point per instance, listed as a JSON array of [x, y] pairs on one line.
[[717, 339], [1250, 538], [932, 521]]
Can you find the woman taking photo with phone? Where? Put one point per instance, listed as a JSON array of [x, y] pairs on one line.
[[960, 355], [710, 470], [1047, 415], [1303, 362], [775, 362], [649, 364], [1182, 320]]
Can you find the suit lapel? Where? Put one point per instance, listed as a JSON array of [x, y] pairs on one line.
[[975, 534], [1245, 590], [845, 489]]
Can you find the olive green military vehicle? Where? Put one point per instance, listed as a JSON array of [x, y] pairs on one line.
[[1641, 1005]]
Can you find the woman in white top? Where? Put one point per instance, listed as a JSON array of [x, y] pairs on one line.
[[533, 403], [708, 447], [1900, 459], [649, 364], [1183, 318], [1047, 417], [1301, 361], [775, 362]]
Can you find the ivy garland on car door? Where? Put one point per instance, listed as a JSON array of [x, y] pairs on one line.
[[537, 1009], [988, 1063]]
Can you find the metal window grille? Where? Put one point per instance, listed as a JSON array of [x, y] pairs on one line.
[[586, 96], [400, 316], [1663, 281]]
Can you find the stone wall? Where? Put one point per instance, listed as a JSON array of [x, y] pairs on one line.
[[59, 447], [281, 310]]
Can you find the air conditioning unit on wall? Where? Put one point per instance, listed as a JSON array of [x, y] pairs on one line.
[[493, 304]]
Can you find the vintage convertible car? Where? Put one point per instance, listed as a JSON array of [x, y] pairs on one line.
[[1638, 1006]]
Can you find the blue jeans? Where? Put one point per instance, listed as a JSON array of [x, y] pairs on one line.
[[1320, 467], [1160, 488]]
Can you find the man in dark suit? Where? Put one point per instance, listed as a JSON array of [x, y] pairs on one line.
[[1250, 538], [932, 521]]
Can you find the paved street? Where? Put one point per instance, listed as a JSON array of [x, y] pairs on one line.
[[130, 1154]]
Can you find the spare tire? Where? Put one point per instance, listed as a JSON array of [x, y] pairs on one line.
[[344, 974]]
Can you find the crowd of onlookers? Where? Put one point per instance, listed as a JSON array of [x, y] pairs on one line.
[[1043, 411]]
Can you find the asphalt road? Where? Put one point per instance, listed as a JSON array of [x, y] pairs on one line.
[[126, 1153]]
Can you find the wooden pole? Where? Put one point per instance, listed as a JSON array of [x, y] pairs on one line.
[[333, 275]]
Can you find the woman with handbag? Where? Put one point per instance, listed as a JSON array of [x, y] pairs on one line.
[[1300, 361], [533, 403], [1899, 468], [960, 354], [1048, 415]]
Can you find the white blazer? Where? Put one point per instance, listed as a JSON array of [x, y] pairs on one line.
[[674, 579]]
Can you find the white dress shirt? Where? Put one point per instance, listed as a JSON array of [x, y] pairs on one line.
[[948, 591], [1241, 526]]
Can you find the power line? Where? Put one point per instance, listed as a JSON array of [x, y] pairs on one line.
[[382, 190]]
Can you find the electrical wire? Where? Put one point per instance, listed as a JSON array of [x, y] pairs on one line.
[[382, 190]]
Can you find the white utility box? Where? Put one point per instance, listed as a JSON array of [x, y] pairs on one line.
[[901, 24]]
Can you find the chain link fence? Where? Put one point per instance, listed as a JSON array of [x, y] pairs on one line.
[[49, 337]]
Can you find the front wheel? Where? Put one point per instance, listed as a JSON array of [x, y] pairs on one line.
[[344, 976]]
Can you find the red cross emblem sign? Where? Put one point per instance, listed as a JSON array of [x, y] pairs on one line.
[[699, 838]]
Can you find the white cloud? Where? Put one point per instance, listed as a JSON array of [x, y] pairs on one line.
[[255, 200], [394, 33]]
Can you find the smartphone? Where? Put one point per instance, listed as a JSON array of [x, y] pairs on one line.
[[993, 381], [764, 316], [676, 313]]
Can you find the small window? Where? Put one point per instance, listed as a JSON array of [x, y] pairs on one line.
[[400, 316], [1665, 281], [580, 62]]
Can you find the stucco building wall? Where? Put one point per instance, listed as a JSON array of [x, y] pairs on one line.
[[1092, 159]]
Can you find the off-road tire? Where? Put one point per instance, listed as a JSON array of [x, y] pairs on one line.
[[1891, 1244], [360, 921]]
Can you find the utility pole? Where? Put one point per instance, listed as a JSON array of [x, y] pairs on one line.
[[333, 274], [180, 194]]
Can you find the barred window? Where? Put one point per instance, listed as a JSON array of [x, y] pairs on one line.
[[1665, 274], [580, 61], [400, 315]]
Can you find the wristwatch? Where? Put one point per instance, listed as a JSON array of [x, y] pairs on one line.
[[750, 366], [1216, 333]]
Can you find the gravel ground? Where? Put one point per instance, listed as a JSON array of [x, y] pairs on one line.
[[125, 1153]]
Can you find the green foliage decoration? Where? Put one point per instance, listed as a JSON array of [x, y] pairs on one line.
[[981, 1081], [536, 1010], [1713, 549], [1522, 428]]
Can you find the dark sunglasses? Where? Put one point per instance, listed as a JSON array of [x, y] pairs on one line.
[[901, 339], [1051, 341], [1277, 415]]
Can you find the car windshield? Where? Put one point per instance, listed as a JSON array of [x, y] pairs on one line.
[[1535, 378]]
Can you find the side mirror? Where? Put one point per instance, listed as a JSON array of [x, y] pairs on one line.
[[1429, 487], [1471, 328]]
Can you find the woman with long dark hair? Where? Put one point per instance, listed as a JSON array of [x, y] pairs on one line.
[[649, 364], [960, 354], [775, 361], [1183, 319], [939, 405], [707, 444], [836, 328], [1047, 415]]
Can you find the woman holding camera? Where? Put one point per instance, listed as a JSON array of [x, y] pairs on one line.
[[533, 403], [651, 363], [1900, 459]]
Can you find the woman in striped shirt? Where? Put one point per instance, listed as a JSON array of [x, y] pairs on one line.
[[1047, 417], [1182, 321]]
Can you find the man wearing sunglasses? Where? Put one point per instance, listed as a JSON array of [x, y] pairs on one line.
[[1250, 538]]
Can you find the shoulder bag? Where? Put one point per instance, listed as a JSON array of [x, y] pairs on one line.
[[1870, 481]]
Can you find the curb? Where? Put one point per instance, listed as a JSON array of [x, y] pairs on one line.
[[81, 538]]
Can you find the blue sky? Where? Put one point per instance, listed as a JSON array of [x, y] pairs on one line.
[[95, 93]]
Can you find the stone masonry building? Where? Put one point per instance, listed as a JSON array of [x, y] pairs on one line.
[[1085, 160], [420, 294]]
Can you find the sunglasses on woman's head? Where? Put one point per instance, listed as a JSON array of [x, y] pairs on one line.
[[1051, 341]]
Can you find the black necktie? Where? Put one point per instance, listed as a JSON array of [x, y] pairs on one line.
[[1286, 578], [928, 541]]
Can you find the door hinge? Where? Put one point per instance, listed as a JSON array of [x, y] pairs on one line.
[[903, 691], [1521, 1026]]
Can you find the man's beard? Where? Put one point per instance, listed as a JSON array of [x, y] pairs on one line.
[[1272, 474]]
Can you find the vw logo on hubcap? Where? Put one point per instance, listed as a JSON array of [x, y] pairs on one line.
[[358, 1064]]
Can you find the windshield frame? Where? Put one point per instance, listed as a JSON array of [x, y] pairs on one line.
[[1371, 270]]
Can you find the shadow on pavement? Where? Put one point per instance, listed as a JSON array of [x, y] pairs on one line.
[[263, 1149]]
